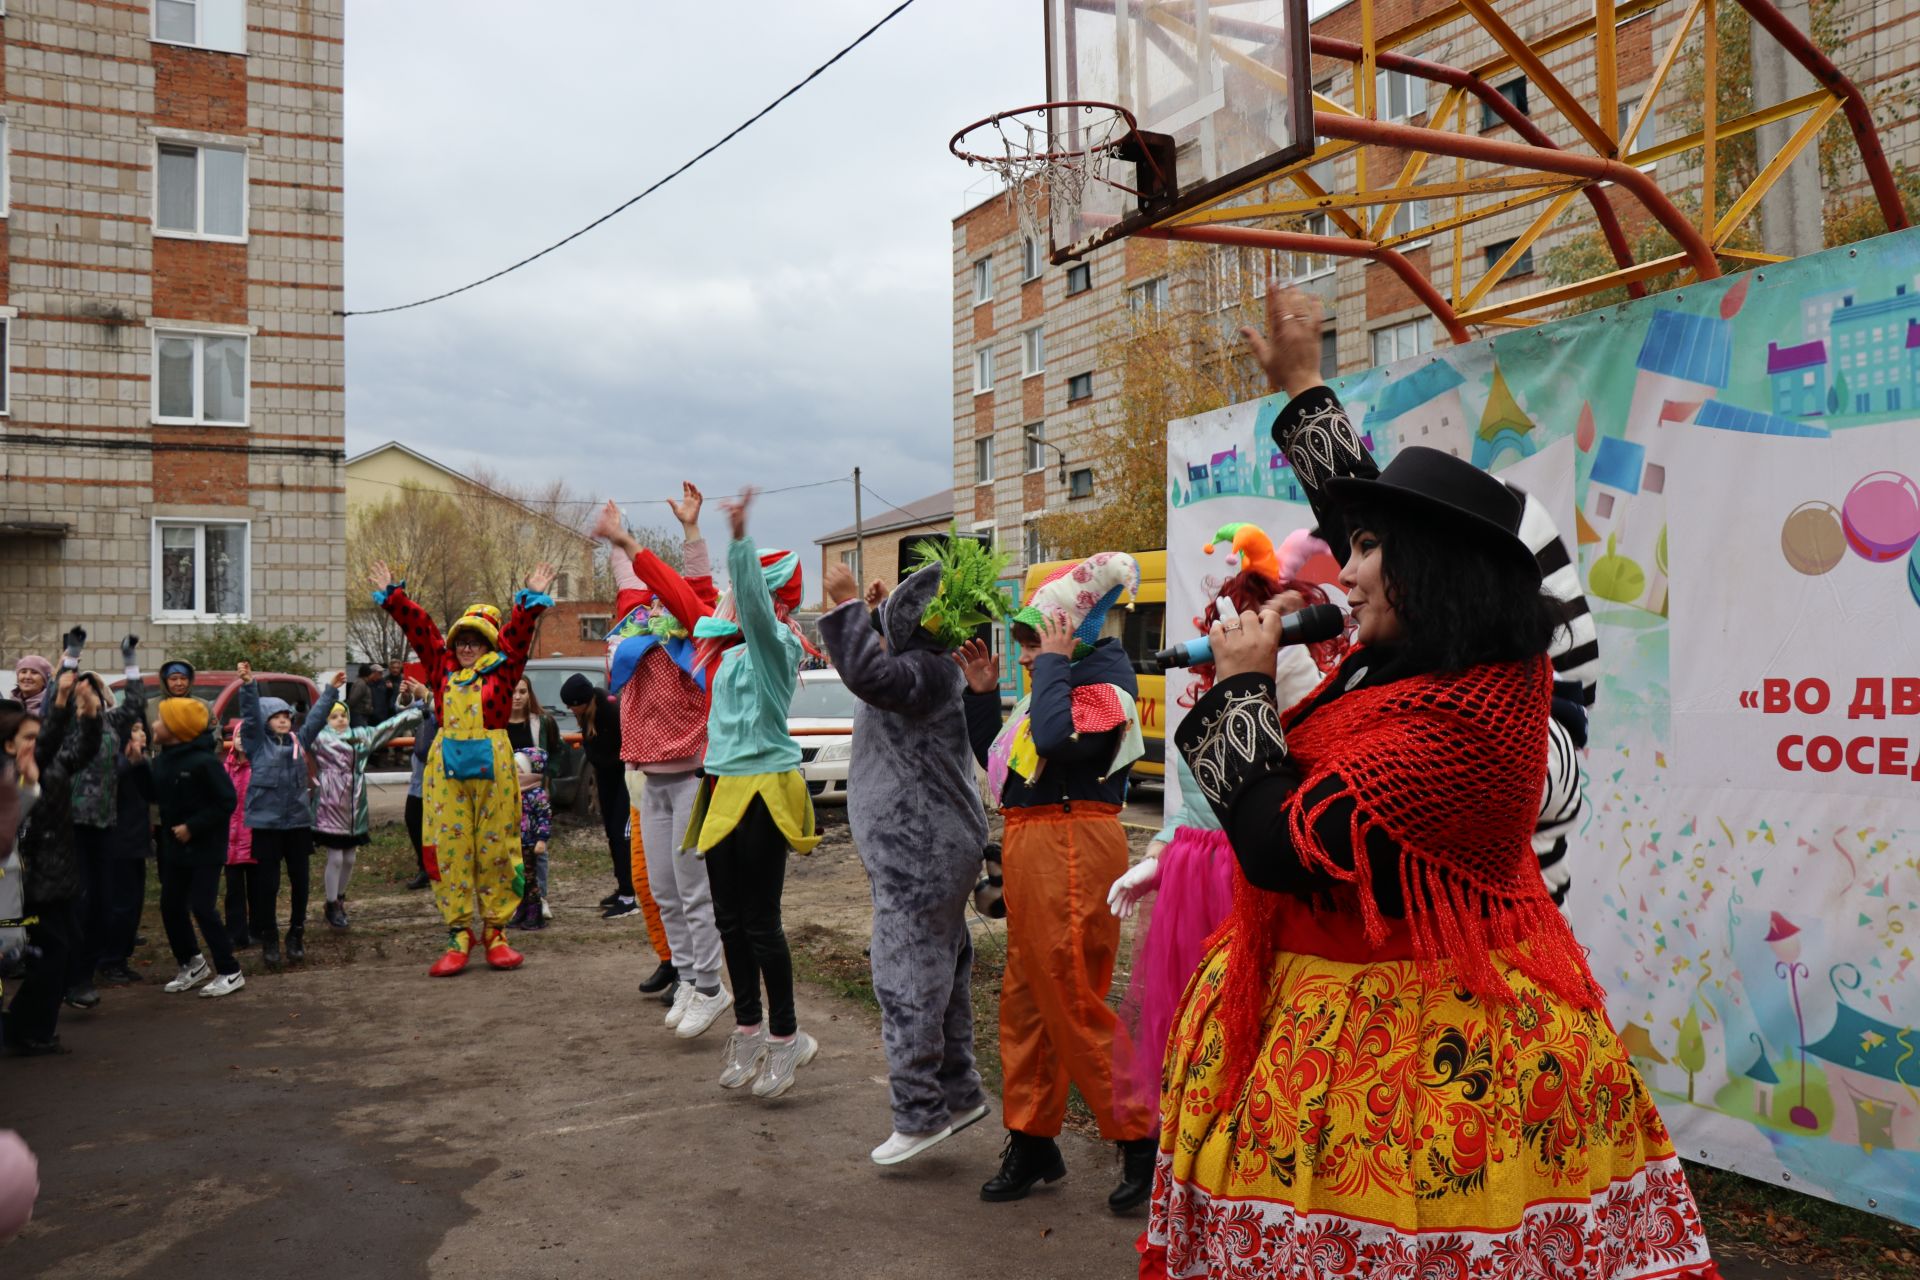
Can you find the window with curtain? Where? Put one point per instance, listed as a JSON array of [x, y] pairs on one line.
[[200, 569], [200, 377], [201, 191]]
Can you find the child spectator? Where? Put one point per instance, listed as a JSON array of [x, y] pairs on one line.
[[536, 828], [196, 803], [242, 870]]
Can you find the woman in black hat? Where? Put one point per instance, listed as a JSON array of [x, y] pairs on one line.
[[1395, 1060]]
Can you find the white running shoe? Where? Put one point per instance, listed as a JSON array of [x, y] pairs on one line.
[[546, 908], [905, 1146], [745, 1050], [224, 985], [964, 1118], [682, 996], [192, 974], [702, 1011], [783, 1062]]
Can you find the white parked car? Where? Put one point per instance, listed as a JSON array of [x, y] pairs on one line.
[[821, 721]]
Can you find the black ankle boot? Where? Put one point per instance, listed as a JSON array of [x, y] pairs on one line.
[[296, 946], [1136, 1175], [1024, 1161], [270, 953]]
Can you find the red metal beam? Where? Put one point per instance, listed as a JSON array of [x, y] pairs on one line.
[[1515, 155], [1854, 103], [1334, 246], [1493, 100]]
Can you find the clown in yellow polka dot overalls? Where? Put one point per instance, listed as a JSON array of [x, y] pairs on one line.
[[471, 795]]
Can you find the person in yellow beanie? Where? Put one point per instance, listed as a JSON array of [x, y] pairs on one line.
[[196, 801], [471, 802]]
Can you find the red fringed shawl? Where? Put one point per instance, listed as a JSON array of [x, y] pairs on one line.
[[1451, 767]]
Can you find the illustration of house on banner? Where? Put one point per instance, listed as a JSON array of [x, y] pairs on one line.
[[1873, 1067], [1875, 350], [1504, 426], [1799, 377], [1731, 417], [1424, 408], [1684, 360], [1765, 1079]]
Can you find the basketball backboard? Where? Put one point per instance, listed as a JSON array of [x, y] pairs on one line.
[[1217, 77]]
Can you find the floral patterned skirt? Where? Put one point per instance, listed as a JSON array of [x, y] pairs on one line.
[[1393, 1125]]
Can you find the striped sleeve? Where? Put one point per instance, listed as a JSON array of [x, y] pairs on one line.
[[1559, 808], [1576, 648]]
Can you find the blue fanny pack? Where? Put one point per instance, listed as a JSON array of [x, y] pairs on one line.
[[467, 759]]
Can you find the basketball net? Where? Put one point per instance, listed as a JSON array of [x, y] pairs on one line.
[[1045, 180]]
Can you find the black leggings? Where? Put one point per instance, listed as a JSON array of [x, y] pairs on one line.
[[241, 878], [611, 782], [748, 871], [293, 846], [35, 1011], [415, 812], [187, 894]]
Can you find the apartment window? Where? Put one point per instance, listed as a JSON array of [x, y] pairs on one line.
[[1079, 278], [1036, 438], [1399, 341], [1408, 215], [200, 569], [1309, 266], [1149, 296], [6, 367], [206, 24], [1080, 483], [1079, 387], [6, 163], [983, 460], [1034, 549], [201, 191], [199, 377], [1514, 91], [1329, 351], [1033, 352], [1522, 266], [983, 370], [1649, 132], [1032, 260], [1397, 95], [594, 626], [983, 281]]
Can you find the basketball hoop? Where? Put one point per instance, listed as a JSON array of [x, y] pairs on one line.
[[1048, 155]]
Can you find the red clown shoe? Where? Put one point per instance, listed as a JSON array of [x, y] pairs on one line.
[[499, 954], [459, 946]]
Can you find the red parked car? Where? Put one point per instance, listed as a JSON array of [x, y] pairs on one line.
[[220, 690]]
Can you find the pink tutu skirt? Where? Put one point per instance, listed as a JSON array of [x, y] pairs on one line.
[[1194, 895]]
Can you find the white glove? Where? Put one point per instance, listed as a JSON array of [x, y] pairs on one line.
[[1142, 879]]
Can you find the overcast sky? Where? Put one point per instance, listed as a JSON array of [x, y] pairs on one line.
[[778, 315]]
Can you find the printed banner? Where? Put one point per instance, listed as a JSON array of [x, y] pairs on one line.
[[1737, 465]]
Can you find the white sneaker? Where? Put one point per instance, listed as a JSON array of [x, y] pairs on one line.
[[744, 1053], [962, 1119], [783, 1061], [702, 1011], [546, 909], [682, 996], [905, 1146], [224, 985], [192, 974]]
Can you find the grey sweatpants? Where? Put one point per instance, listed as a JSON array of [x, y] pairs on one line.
[[923, 976], [676, 877]]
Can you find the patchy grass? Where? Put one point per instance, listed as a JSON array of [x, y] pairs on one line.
[[1780, 1227]]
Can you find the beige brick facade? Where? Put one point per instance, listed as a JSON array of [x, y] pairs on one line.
[[1882, 52], [88, 97]]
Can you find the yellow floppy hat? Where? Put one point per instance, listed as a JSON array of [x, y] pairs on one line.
[[482, 619], [185, 718]]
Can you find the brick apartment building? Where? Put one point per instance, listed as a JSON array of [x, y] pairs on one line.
[[1028, 335], [172, 392]]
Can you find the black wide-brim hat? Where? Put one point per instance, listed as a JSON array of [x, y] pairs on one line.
[[1450, 491]]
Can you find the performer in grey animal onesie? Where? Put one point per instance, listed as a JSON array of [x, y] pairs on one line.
[[919, 827]]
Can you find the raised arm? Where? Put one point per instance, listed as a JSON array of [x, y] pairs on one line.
[[753, 604], [317, 715], [414, 622], [133, 692], [374, 737], [516, 638], [253, 723], [907, 683]]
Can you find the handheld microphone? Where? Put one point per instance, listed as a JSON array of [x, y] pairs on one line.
[[1310, 625]]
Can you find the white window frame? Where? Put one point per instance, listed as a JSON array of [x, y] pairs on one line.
[[1031, 546], [1414, 93], [7, 315], [234, 10], [1421, 328], [1149, 295], [198, 147], [982, 370], [1407, 215], [198, 613], [199, 334], [982, 280], [1034, 437], [1033, 351], [1302, 267], [983, 459], [6, 156], [1085, 267], [1032, 261], [1649, 132]]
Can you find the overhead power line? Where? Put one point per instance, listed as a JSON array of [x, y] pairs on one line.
[[731, 134]]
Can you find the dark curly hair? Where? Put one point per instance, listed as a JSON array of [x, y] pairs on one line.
[[1461, 602]]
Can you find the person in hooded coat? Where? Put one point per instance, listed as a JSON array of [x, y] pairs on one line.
[[919, 826]]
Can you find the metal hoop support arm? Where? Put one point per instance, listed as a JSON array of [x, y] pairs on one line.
[[1340, 246]]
